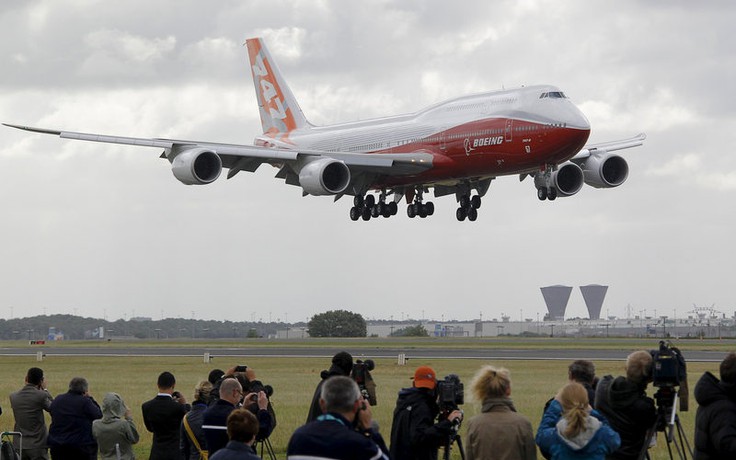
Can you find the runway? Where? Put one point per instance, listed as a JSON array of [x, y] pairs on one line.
[[565, 354]]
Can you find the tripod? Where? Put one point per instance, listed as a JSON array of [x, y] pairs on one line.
[[667, 422], [454, 437], [265, 444]]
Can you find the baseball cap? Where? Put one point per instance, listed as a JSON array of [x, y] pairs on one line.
[[425, 377]]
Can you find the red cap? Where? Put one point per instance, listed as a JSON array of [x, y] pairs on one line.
[[424, 377]]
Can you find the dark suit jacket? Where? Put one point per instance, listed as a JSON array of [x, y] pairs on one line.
[[162, 417]]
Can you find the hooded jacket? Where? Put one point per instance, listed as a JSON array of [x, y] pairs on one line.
[[499, 432], [114, 429], [594, 442], [414, 435], [342, 364], [715, 420], [630, 412]]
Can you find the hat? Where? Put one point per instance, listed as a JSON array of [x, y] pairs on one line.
[[424, 377]]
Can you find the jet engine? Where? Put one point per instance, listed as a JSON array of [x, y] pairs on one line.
[[325, 176], [605, 170], [567, 180], [196, 166]]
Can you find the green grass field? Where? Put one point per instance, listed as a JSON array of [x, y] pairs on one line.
[[294, 380]]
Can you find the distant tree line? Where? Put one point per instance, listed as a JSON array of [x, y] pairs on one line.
[[79, 328]]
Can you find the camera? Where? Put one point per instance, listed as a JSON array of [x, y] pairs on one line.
[[362, 375], [668, 366], [450, 392], [256, 386]]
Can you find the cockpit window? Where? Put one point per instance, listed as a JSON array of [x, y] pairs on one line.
[[553, 95]]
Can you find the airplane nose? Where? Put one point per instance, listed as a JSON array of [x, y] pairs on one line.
[[576, 119]]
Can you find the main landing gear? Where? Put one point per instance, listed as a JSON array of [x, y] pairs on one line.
[[367, 207], [544, 193], [417, 208], [468, 208]]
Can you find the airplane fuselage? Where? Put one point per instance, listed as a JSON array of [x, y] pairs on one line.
[[478, 136]]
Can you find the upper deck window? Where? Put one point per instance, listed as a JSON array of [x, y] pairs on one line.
[[553, 95]]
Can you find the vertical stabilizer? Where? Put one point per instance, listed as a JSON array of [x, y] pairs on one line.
[[280, 113]]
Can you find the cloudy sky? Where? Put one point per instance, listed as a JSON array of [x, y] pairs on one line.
[[103, 230]]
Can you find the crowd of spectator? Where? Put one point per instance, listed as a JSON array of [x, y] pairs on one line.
[[588, 418]]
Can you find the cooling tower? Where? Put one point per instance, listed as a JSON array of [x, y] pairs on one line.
[[556, 298], [594, 295]]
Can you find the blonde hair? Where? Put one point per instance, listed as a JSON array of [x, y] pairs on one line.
[[490, 382], [639, 366], [573, 398], [202, 391]]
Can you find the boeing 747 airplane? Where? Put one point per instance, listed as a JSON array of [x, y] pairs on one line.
[[454, 147]]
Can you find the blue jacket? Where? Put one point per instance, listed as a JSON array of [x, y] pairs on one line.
[[71, 420], [331, 436], [594, 443]]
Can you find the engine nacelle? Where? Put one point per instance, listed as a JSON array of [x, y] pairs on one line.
[[567, 180], [605, 170], [325, 176], [196, 166]]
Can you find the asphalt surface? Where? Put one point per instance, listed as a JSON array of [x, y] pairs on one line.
[[565, 354]]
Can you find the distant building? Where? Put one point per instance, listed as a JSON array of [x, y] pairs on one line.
[[556, 298], [594, 295]]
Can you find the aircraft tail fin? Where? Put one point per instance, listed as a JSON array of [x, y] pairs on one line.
[[280, 113]]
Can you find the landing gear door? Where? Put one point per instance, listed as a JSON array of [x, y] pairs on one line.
[[508, 131]]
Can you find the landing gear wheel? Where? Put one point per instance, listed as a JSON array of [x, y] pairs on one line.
[[429, 206], [393, 208], [358, 201], [552, 194], [460, 214], [542, 194], [410, 211], [386, 212], [366, 213], [422, 210], [475, 202], [370, 200], [472, 214], [464, 201], [355, 213]]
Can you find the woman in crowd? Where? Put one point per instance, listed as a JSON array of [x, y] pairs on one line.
[[570, 429], [191, 436], [498, 432], [115, 432]]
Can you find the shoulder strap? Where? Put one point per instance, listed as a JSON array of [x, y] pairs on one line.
[[190, 434]]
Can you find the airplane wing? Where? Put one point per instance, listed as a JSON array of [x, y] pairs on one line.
[[610, 146], [249, 157]]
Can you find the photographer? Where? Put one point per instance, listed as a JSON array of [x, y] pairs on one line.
[[162, 416], [414, 433], [715, 420], [342, 364], [28, 405], [623, 401]]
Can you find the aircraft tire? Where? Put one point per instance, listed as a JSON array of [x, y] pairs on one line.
[[552, 194], [475, 201], [369, 201], [461, 214], [375, 211], [410, 211], [393, 208], [366, 213], [464, 201], [354, 213], [472, 214], [542, 194], [430, 208], [358, 201]]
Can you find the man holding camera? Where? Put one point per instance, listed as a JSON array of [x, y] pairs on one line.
[[162, 416], [214, 419], [414, 433], [345, 429], [28, 405], [715, 420], [624, 402]]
